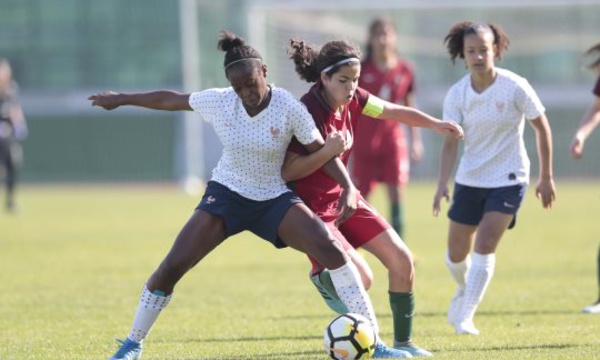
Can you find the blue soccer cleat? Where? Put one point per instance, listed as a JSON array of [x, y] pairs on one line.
[[413, 349], [129, 350], [384, 351]]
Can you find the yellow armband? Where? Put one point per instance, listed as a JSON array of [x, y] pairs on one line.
[[374, 106]]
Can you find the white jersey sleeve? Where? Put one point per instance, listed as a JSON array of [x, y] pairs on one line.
[[452, 106], [209, 103], [527, 100], [303, 124]]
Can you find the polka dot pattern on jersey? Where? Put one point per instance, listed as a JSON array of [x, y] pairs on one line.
[[494, 153], [254, 147]]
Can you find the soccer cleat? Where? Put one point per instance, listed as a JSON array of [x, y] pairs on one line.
[[455, 305], [384, 351], [592, 309], [129, 350], [327, 291], [466, 327], [412, 349]]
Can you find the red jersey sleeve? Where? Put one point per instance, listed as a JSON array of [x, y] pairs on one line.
[[362, 96]]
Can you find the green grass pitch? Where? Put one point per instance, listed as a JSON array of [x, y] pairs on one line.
[[74, 259]]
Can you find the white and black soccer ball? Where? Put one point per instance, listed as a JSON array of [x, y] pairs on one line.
[[349, 337]]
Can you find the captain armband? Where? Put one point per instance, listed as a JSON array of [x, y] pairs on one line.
[[374, 106]]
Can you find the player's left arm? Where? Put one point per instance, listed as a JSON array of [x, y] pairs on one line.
[[545, 189], [381, 109], [296, 166]]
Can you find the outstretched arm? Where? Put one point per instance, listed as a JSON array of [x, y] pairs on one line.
[[156, 100], [381, 109], [588, 123]]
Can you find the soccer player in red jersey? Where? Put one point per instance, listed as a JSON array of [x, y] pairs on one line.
[[381, 151], [336, 104]]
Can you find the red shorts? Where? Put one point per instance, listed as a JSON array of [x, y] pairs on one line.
[[389, 163], [364, 225]]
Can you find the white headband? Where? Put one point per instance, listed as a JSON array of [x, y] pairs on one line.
[[341, 62], [237, 61]]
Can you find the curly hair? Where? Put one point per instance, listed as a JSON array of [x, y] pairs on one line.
[[310, 61], [454, 40]]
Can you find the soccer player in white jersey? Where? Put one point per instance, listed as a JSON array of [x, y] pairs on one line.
[[589, 122], [255, 122], [492, 105]]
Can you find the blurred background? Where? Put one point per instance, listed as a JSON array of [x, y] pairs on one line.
[[62, 51]]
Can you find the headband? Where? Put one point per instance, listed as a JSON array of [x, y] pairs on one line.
[[341, 62], [237, 61]]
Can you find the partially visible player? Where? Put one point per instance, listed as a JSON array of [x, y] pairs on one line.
[[13, 129], [381, 150], [336, 103], [492, 105], [588, 123], [255, 122]]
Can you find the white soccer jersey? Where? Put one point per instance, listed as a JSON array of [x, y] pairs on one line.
[[254, 147], [494, 153]]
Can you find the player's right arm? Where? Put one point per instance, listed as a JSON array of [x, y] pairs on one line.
[[447, 160], [297, 166], [588, 123], [157, 100]]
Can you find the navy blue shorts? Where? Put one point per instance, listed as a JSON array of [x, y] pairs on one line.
[[239, 213], [470, 203]]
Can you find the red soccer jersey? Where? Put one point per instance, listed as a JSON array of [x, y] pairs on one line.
[[391, 85], [320, 191]]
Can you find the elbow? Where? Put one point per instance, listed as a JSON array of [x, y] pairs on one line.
[[287, 175]]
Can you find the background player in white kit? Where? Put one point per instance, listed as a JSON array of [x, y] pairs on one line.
[[491, 104]]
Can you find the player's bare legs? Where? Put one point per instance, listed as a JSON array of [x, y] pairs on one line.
[[200, 235], [397, 258], [396, 197], [301, 229]]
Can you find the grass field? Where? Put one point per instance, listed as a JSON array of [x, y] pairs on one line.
[[73, 261]]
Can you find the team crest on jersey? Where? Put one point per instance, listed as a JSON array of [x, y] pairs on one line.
[[500, 106], [210, 199], [275, 131]]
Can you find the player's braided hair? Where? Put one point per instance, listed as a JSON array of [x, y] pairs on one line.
[[310, 62], [594, 51], [454, 40], [236, 50]]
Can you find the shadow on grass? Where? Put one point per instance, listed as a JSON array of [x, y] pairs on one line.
[[284, 355], [519, 347], [442, 314], [242, 339]]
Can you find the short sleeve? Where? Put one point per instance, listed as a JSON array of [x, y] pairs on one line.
[[304, 128], [208, 103], [528, 101], [452, 110]]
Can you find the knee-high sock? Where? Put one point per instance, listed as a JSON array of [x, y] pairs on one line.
[[351, 291], [397, 219], [478, 279], [403, 307], [147, 312], [459, 270]]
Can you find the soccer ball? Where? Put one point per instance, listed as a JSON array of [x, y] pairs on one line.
[[349, 337]]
